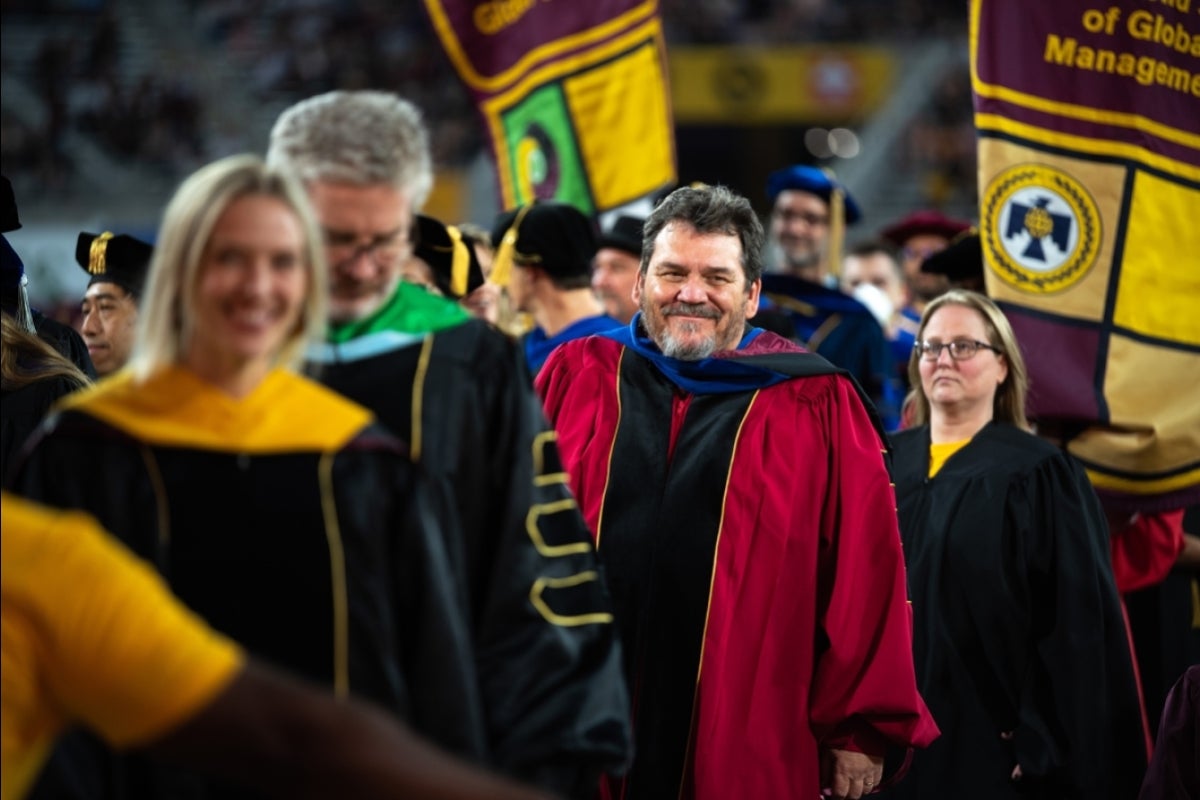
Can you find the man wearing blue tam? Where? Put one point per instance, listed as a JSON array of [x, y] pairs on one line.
[[808, 217], [809, 212]]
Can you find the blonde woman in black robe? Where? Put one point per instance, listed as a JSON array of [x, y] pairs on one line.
[[1019, 641], [275, 508]]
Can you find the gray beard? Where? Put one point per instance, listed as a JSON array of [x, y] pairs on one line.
[[674, 348]]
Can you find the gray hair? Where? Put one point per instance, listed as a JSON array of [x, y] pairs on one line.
[[165, 319], [355, 137], [709, 209]]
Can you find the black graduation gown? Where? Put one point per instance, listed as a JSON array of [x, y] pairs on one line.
[[555, 700], [289, 521], [836, 326], [1017, 624], [22, 410], [65, 340]]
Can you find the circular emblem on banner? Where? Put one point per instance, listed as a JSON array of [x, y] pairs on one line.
[[537, 164], [1041, 226], [739, 82]]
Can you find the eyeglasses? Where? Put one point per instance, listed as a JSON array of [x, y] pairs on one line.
[[385, 250], [809, 219], [920, 253], [960, 349]]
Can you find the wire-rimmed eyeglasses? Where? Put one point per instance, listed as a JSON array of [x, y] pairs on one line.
[[960, 349], [385, 250]]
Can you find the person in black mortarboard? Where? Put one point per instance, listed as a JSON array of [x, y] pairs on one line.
[[544, 256], [13, 296], [37, 371], [14, 300], [961, 262], [486, 301], [615, 267], [118, 266], [9, 219], [443, 261]]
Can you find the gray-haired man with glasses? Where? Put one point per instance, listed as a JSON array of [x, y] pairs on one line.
[[553, 708]]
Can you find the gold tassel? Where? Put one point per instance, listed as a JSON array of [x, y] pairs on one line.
[[502, 264], [837, 228], [97, 252], [460, 262]]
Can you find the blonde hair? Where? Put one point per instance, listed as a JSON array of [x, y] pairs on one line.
[[1008, 405], [26, 358], [165, 318]]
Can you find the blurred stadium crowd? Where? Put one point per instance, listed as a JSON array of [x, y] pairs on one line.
[[81, 59]]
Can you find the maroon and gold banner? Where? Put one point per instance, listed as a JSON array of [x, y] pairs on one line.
[[573, 93], [1089, 181]]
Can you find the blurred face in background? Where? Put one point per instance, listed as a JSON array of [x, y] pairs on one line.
[[367, 231], [614, 274], [521, 287], [923, 286], [108, 326], [800, 227], [878, 269]]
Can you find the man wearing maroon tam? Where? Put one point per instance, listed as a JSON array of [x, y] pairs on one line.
[[918, 236]]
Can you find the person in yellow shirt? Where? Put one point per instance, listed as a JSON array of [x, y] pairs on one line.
[[91, 635]]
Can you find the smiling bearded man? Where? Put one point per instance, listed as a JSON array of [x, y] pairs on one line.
[[773, 571], [694, 296]]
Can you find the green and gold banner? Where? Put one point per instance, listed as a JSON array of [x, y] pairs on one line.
[[1089, 179], [573, 94]]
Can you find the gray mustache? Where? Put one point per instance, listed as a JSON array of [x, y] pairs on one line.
[[691, 310]]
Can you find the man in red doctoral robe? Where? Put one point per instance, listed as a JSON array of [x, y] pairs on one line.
[[739, 495]]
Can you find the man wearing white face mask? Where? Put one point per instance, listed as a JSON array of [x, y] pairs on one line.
[[871, 274]]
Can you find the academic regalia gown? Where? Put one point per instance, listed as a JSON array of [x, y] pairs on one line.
[[747, 524], [290, 522], [836, 326], [66, 340], [1174, 771], [23, 410], [548, 657], [1018, 626]]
